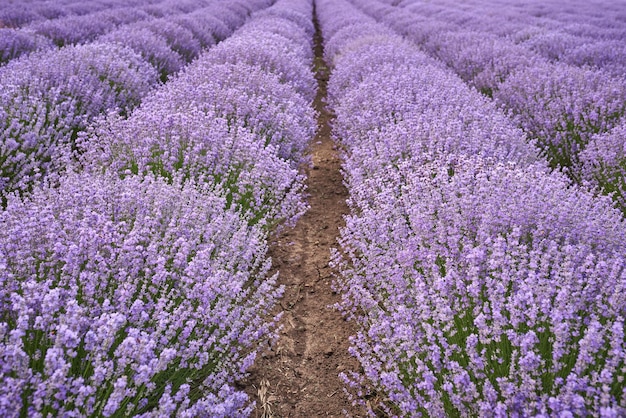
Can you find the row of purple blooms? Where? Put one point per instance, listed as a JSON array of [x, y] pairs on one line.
[[584, 21], [25, 28], [569, 105], [138, 284], [48, 97], [481, 282], [19, 13], [579, 20], [124, 21]]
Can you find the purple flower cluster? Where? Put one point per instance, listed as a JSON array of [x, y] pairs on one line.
[[139, 285], [563, 106], [128, 296], [603, 164], [175, 39], [178, 38], [25, 28], [481, 59], [184, 27], [608, 55], [529, 67], [482, 284], [239, 117], [15, 42], [276, 55], [81, 29], [152, 47], [16, 14], [47, 97]]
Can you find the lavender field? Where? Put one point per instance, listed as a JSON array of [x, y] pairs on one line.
[[152, 152]]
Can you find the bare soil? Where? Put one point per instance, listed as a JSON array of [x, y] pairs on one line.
[[298, 376]]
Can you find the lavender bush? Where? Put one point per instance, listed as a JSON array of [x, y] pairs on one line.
[[381, 50], [138, 286], [204, 27], [151, 46], [553, 44], [298, 15], [559, 105], [16, 15], [603, 164], [255, 99], [481, 283], [428, 113], [562, 106], [487, 291], [52, 96], [234, 15], [131, 297], [275, 54], [200, 146], [15, 43], [237, 118], [81, 29], [173, 40], [179, 39], [482, 60], [48, 97], [608, 55]]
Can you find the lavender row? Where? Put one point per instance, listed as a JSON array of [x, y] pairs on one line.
[[139, 286], [551, 26], [515, 23], [482, 283], [48, 97], [59, 25], [14, 14], [560, 106], [128, 296], [85, 28], [178, 22], [173, 40], [551, 29], [603, 163], [239, 117], [124, 21]]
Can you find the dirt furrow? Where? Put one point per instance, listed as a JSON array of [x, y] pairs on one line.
[[298, 377]]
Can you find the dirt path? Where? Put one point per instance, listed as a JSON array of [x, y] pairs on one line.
[[298, 377]]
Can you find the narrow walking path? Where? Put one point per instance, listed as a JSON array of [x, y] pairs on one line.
[[298, 377]]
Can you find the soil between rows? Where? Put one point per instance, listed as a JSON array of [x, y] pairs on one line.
[[298, 376]]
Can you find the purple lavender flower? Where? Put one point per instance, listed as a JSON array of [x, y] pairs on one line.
[[562, 106], [603, 164], [204, 27], [113, 287], [172, 141], [15, 15], [126, 292], [81, 29], [233, 120], [152, 47], [481, 283], [15, 43], [559, 105], [49, 96], [608, 55], [275, 54], [178, 38]]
